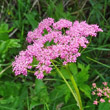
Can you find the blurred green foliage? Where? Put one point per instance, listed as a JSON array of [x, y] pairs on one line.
[[17, 17]]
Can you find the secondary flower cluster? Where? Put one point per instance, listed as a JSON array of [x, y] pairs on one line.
[[64, 39], [102, 93]]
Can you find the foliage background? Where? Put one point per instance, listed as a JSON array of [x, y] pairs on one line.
[[17, 17]]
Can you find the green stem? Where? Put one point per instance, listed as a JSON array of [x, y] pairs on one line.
[[98, 62], [47, 106], [5, 69], [76, 89], [75, 95]]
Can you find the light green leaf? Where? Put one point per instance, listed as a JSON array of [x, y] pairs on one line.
[[86, 89], [41, 91], [3, 28], [12, 43], [67, 96], [73, 68], [83, 74], [65, 73], [4, 32]]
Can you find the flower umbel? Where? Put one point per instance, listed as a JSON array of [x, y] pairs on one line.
[[103, 93], [62, 39]]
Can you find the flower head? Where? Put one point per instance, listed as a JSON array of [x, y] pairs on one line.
[[51, 40], [103, 93]]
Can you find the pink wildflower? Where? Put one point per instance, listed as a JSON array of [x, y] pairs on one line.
[[105, 94], [93, 93], [65, 45], [99, 90], [108, 96], [95, 102], [102, 100], [104, 83], [99, 94], [94, 85], [62, 23]]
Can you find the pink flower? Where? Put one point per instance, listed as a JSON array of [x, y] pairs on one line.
[[99, 94], [105, 94], [95, 102], [94, 85], [108, 96], [102, 100], [99, 90], [93, 93], [62, 23], [104, 83], [52, 44]]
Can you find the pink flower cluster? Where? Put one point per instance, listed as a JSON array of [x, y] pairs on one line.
[[67, 38], [101, 93]]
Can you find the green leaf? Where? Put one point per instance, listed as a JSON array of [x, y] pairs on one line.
[[41, 91], [67, 96], [8, 100], [104, 106], [86, 89], [34, 104], [73, 68], [12, 43], [64, 71], [4, 32], [3, 28], [4, 36], [83, 74], [11, 87], [60, 91], [39, 86], [31, 19]]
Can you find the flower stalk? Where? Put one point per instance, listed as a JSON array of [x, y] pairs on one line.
[[75, 94], [76, 90]]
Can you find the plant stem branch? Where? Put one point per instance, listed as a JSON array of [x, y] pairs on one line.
[[76, 95], [76, 89]]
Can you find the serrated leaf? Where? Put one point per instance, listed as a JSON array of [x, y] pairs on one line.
[[86, 89], [11, 43], [83, 74], [73, 68], [67, 97], [41, 91], [65, 73], [39, 86]]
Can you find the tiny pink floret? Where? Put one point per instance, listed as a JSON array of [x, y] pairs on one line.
[[94, 85], [104, 83], [102, 100], [95, 102]]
